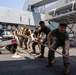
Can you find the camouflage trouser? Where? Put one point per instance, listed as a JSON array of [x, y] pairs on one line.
[[18, 40], [33, 46], [29, 42], [26, 42], [21, 39], [51, 54], [43, 47]]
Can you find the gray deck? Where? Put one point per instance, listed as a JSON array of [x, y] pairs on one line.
[[31, 65]]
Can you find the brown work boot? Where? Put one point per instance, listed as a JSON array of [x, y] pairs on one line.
[[41, 56], [25, 48], [67, 70], [33, 52], [20, 46], [51, 63]]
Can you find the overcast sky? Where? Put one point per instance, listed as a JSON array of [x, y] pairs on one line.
[[16, 4]]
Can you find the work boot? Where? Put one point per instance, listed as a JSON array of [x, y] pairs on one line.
[[50, 63], [33, 52], [41, 56], [25, 48], [28, 49], [67, 70], [20, 46]]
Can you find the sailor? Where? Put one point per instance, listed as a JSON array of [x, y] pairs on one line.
[[59, 37], [26, 36], [35, 34], [45, 29], [21, 35]]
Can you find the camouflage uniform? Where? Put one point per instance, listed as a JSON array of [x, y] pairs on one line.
[[27, 32], [21, 37], [34, 43]]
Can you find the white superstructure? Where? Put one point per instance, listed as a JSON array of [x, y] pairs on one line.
[[15, 17], [63, 11], [31, 4], [19, 16], [55, 5], [12, 18], [30, 15]]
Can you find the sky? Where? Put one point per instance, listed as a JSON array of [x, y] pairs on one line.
[[15, 4]]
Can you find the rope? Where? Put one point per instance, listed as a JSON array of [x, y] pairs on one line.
[[58, 52]]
